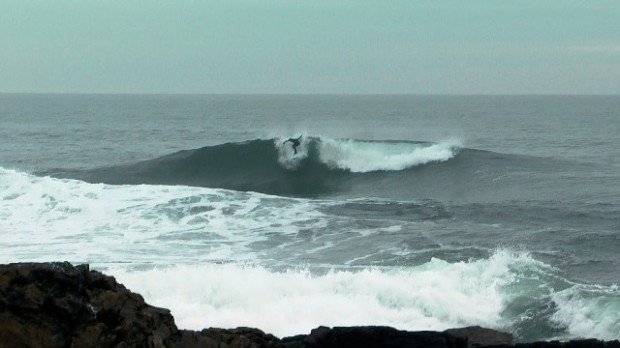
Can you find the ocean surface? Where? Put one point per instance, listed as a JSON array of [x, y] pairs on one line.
[[417, 212]]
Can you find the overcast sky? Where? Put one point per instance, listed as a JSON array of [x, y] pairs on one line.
[[310, 46]]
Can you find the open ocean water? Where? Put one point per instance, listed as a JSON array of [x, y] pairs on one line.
[[417, 212]]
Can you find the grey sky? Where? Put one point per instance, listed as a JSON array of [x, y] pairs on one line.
[[311, 46]]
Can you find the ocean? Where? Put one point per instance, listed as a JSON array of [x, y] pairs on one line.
[[417, 212]]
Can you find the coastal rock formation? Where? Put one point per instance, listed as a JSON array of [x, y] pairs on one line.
[[479, 336], [60, 305], [224, 338], [374, 336]]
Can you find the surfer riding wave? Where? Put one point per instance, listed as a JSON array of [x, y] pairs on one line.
[[295, 143]]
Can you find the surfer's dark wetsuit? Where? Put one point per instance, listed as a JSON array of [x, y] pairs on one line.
[[295, 143]]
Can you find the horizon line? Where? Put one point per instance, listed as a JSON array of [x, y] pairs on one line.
[[322, 94]]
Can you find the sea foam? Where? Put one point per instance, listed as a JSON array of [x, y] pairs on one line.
[[43, 218], [188, 249], [433, 296], [437, 295], [361, 157]]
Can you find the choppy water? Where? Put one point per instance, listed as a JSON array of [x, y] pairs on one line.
[[410, 211]]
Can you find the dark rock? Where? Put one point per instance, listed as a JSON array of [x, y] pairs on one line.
[[296, 341], [227, 338], [374, 336], [477, 336], [59, 305]]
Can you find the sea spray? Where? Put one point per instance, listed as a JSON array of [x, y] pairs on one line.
[[432, 296], [437, 295], [364, 156]]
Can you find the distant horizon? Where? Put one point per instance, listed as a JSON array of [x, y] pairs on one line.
[[312, 94], [319, 47]]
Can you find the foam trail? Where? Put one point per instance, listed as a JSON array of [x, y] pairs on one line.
[[361, 157]]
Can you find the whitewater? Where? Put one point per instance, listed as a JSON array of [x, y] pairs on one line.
[[433, 220], [216, 227], [365, 156]]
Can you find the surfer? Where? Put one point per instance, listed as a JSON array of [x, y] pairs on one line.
[[295, 143]]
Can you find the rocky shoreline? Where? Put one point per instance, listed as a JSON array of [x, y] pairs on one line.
[[60, 305]]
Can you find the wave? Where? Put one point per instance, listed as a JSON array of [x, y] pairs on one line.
[[364, 156], [134, 222], [351, 168], [507, 291], [321, 166], [85, 222], [149, 235]]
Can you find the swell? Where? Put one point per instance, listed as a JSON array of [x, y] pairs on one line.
[[391, 169], [247, 166]]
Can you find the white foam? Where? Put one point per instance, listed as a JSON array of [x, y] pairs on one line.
[[44, 219], [365, 156], [47, 219], [437, 295], [589, 311], [359, 156]]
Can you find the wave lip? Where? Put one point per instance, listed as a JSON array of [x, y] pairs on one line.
[[362, 157], [359, 156], [320, 166]]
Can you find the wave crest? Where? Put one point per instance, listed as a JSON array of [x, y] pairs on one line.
[[359, 156], [321, 165], [507, 291], [363, 157]]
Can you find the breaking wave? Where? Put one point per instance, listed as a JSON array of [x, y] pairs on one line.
[[320, 166], [328, 167], [365, 156], [219, 258], [507, 291]]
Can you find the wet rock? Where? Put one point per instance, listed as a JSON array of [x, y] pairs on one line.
[[241, 337], [59, 305], [374, 336], [478, 336]]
